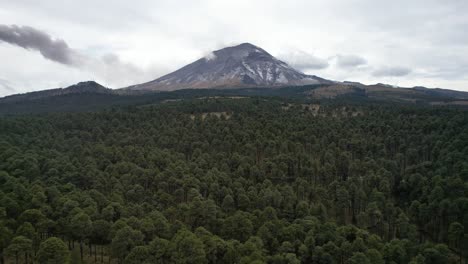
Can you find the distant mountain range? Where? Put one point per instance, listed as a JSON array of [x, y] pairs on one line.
[[241, 68]]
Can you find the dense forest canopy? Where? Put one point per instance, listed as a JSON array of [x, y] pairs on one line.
[[236, 180]]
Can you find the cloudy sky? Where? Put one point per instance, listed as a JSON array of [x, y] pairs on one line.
[[55, 43]]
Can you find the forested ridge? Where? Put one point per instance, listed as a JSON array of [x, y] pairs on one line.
[[245, 180]]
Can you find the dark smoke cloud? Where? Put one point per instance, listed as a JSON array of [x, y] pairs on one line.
[[108, 68], [34, 39]]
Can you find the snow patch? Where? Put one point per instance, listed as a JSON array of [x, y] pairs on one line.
[[260, 72], [248, 68], [269, 75]]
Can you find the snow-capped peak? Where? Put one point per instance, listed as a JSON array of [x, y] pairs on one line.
[[244, 65]]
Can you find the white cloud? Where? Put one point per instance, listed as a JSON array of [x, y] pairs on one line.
[[302, 60], [210, 56], [160, 36]]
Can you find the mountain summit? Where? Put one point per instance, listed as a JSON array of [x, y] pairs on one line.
[[87, 87], [244, 65]]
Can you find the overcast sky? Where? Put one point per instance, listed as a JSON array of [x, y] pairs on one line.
[[55, 43]]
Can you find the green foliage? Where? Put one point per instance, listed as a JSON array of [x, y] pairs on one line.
[[253, 180], [185, 247], [138, 255], [124, 240], [359, 258], [53, 251], [19, 244]]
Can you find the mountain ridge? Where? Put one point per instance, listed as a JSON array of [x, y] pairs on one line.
[[247, 66], [81, 87]]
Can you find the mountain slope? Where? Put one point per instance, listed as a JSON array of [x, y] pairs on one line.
[[384, 92], [243, 70], [79, 88], [245, 65]]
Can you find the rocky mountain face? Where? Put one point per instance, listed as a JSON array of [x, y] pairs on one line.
[[245, 65]]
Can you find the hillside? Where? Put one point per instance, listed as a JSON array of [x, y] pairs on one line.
[[62, 100], [89, 87], [242, 70]]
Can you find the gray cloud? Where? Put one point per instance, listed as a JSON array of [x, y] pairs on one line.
[[150, 33], [34, 39], [108, 67], [346, 61], [5, 85], [390, 71], [303, 61]]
